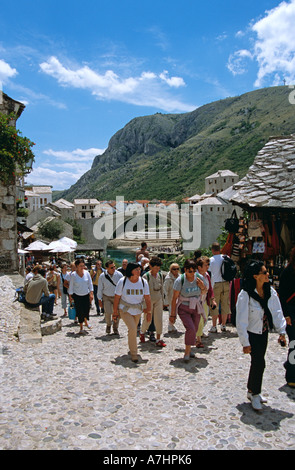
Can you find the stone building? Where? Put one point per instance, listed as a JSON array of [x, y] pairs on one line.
[[38, 196], [213, 206], [86, 208], [8, 220]]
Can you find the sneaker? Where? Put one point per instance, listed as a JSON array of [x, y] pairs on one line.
[[223, 328], [262, 399], [160, 343], [186, 359], [213, 329], [256, 402], [142, 337]]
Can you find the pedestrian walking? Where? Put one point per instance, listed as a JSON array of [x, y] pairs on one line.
[[81, 292], [174, 272], [53, 282], [258, 311], [130, 293], [64, 289], [95, 273], [221, 290], [203, 264], [107, 283], [155, 281], [186, 301]]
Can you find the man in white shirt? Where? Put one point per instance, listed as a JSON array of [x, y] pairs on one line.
[[107, 283], [221, 289]]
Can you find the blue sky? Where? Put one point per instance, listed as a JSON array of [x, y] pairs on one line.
[[84, 69]]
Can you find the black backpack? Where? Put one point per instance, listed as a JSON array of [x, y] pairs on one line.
[[228, 269]]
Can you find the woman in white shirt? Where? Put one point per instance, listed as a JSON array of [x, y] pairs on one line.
[[81, 291], [258, 311], [130, 293]]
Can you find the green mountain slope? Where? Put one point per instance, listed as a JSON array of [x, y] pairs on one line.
[[169, 156]]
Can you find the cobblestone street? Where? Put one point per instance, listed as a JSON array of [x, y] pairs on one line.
[[83, 392]]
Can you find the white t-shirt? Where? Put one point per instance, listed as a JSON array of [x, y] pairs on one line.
[[215, 269], [80, 285], [132, 292]]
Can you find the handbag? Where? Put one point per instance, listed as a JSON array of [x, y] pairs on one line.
[[227, 248], [232, 224], [255, 227], [72, 312]]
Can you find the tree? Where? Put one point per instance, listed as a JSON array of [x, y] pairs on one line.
[[15, 150], [51, 229]]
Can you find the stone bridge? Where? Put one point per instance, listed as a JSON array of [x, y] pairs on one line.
[[145, 224]]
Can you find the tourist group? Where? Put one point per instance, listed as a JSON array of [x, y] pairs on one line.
[[139, 292]]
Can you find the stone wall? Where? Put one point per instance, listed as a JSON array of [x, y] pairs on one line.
[[8, 230], [8, 221]]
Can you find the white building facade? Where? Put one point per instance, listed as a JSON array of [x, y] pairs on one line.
[[38, 196]]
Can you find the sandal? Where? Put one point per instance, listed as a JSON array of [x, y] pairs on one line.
[[199, 344], [160, 343]]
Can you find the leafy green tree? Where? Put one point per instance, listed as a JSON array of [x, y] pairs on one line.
[[15, 150], [51, 229]]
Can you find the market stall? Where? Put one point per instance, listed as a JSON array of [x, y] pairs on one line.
[[267, 196]]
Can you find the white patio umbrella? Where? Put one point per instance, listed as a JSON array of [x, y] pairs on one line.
[[58, 247], [37, 246], [68, 241]]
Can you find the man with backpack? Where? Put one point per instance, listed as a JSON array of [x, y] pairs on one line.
[[107, 283], [222, 270]]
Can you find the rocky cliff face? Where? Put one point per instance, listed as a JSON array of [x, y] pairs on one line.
[[168, 156]]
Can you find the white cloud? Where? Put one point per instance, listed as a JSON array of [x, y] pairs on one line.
[[64, 167], [6, 71], [147, 89], [47, 176], [275, 46], [237, 61], [175, 82], [75, 155]]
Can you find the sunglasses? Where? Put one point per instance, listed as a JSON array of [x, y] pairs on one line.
[[175, 269], [264, 272]]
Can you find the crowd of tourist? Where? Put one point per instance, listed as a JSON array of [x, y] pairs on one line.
[[139, 294]]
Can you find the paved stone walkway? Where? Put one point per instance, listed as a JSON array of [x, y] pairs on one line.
[[83, 392]]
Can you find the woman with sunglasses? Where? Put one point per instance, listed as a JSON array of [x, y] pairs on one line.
[[171, 277], [258, 311], [186, 301]]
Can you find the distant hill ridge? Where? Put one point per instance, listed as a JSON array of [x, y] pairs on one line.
[[168, 156]]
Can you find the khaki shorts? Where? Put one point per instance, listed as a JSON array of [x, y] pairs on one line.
[[221, 294]]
